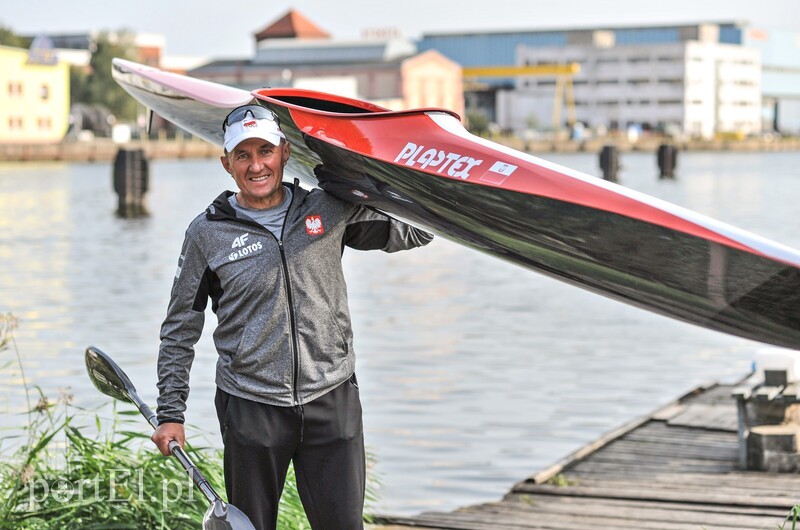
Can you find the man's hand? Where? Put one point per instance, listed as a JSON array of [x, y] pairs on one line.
[[167, 432]]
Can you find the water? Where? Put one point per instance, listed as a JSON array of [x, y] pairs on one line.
[[474, 373]]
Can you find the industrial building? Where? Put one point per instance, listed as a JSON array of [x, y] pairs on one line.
[[699, 79], [699, 88]]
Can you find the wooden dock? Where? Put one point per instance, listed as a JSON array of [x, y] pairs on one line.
[[674, 469]]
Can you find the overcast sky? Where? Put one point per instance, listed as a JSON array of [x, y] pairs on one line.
[[224, 28]]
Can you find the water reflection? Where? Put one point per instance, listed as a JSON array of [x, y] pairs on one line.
[[474, 373]]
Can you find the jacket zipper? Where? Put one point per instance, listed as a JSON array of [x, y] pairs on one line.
[[292, 318], [292, 321]]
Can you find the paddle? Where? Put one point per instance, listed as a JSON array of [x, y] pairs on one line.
[[109, 379]]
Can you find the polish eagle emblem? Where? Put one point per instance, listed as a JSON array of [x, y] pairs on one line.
[[314, 225]]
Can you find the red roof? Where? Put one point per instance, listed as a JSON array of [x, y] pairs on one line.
[[292, 25]]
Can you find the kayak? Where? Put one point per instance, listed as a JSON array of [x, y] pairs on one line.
[[423, 167]]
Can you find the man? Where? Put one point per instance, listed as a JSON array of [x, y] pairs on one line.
[[269, 258]]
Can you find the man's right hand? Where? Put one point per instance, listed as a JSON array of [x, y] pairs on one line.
[[167, 432]]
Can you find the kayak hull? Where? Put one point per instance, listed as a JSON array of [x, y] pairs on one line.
[[422, 167]]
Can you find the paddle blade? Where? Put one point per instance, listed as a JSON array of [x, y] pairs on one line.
[[221, 516], [107, 376]]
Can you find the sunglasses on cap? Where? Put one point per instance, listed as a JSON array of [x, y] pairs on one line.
[[256, 111]]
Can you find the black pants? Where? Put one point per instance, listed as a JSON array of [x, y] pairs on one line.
[[324, 439]]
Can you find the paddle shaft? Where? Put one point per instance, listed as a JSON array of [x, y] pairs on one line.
[[177, 451]]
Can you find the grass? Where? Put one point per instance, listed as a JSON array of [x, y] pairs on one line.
[[70, 466], [793, 516]]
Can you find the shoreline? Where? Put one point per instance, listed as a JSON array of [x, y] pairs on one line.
[[650, 144], [104, 150]]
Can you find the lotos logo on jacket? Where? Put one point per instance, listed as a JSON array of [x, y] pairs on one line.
[[240, 242], [314, 225]]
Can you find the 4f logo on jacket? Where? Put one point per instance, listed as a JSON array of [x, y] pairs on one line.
[[240, 241], [244, 249], [314, 225]]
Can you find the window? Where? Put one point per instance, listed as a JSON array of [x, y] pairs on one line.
[[14, 88], [14, 123], [44, 92]]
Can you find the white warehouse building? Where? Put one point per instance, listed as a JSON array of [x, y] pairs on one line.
[[700, 87]]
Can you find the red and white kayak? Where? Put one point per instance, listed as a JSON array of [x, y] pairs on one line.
[[422, 166]]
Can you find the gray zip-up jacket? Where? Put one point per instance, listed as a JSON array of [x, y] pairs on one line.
[[283, 335]]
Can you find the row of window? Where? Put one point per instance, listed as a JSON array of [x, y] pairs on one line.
[[15, 89], [637, 82], [659, 102], [617, 103], [607, 82], [636, 60], [16, 123], [612, 60]]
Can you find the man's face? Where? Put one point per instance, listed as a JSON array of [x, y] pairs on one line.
[[257, 167]]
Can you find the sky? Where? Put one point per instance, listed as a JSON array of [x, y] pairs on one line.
[[225, 28]]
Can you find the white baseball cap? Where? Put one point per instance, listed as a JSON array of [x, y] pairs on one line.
[[251, 121]]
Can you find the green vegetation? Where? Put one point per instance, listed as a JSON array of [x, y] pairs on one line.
[[9, 38], [74, 467], [794, 514], [477, 122], [96, 86], [560, 481]]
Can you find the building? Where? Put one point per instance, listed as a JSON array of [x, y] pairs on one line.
[[390, 71], [780, 78], [729, 45], [77, 48], [34, 94], [698, 88]]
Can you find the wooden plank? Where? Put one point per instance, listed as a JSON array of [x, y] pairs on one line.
[[668, 412], [689, 481], [642, 492], [581, 453], [588, 515], [675, 469], [789, 497], [720, 417], [635, 511], [549, 500]]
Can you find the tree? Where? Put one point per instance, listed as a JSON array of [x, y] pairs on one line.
[[477, 122], [96, 86], [9, 38]]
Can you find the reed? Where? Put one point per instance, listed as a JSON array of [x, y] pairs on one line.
[[94, 470]]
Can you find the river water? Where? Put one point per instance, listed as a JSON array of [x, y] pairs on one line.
[[474, 373]]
